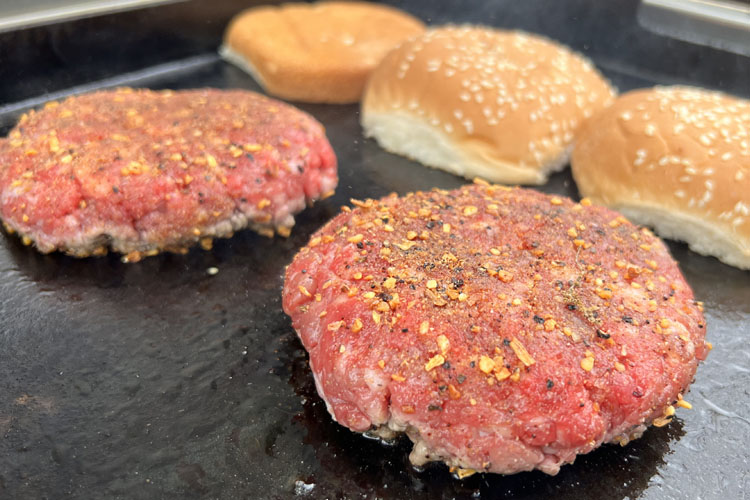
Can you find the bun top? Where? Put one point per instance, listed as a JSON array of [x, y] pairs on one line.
[[517, 98], [298, 45], [681, 148]]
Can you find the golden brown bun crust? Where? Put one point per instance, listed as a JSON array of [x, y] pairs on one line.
[[508, 103], [320, 52], [676, 158]]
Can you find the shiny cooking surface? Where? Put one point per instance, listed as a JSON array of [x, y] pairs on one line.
[[159, 380]]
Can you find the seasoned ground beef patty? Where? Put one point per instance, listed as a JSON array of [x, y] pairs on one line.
[[140, 171], [502, 329]]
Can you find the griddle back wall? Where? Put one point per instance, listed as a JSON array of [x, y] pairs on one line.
[[44, 59]]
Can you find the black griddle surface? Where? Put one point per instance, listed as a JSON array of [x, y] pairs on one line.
[[159, 380]]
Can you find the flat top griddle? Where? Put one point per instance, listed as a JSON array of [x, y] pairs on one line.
[[159, 380]]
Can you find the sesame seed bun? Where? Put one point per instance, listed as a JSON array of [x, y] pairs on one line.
[[320, 52], [479, 102], [676, 159]]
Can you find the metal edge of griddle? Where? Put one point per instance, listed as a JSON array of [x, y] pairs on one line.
[[722, 24], [72, 10]]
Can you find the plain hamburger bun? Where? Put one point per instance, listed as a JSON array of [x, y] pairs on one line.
[[480, 102], [320, 52], [676, 159]]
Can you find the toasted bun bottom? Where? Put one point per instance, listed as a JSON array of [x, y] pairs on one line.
[[405, 135], [701, 236]]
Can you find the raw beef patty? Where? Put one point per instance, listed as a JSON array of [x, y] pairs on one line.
[[501, 329], [138, 171]]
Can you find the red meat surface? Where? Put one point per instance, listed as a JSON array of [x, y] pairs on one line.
[[141, 171], [501, 329]]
